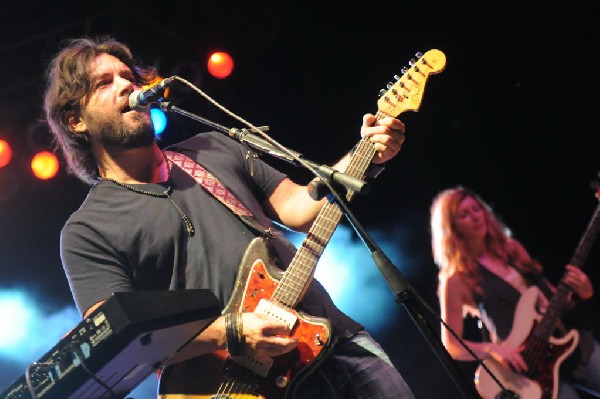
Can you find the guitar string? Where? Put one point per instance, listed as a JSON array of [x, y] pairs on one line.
[[363, 163], [227, 388], [557, 302], [287, 290], [536, 351]]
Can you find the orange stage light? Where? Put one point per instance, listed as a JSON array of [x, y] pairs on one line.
[[44, 165], [5, 153]]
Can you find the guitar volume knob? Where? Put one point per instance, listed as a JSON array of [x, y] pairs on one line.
[[318, 340], [281, 381]]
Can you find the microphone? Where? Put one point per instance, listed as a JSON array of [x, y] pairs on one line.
[[139, 100]]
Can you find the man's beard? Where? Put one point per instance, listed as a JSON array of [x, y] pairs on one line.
[[111, 132]]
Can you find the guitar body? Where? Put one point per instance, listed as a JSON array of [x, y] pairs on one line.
[[542, 380], [257, 279]]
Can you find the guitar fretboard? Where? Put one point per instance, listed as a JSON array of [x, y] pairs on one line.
[[552, 316], [291, 286]]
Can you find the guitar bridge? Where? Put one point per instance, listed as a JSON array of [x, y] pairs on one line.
[[258, 367]]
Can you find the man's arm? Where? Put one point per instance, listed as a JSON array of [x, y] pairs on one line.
[[292, 204]]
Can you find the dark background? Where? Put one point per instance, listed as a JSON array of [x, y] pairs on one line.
[[512, 117]]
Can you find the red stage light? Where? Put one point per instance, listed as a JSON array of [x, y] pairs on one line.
[[220, 64]]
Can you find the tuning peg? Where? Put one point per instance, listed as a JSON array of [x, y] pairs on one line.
[[382, 92], [404, 70], [418, 54]]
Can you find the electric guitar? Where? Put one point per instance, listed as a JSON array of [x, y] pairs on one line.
[[544, 353], [264, 288]]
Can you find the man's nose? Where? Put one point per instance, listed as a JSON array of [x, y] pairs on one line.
[[125, 85]]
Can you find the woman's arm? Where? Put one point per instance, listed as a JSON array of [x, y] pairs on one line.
[[454, 298]]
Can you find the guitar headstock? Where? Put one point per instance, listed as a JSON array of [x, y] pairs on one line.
[[407, 92]]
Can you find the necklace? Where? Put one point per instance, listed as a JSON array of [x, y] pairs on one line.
[[189, 227]]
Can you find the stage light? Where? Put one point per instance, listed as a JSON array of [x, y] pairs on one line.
[[14, 312], [220, 64], [5, 153], [44, 165], [159, 120]]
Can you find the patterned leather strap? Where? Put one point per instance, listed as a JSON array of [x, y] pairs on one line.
[[211, 184]]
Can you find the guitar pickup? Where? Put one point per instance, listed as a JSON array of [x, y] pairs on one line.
[[276, 312]]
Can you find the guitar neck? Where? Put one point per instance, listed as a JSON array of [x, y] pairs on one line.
[[560, 297], [302, 266], [585, 243]]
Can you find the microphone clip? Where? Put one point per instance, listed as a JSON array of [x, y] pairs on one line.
[[140, 100]]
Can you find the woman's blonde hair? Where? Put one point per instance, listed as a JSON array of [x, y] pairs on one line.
[[450, 250]]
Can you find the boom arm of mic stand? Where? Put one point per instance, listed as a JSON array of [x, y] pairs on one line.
[[258, 143]]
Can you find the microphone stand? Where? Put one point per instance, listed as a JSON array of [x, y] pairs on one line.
[[403, 292], [247, 137]]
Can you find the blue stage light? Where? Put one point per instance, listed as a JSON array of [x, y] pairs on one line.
[[159, 120]]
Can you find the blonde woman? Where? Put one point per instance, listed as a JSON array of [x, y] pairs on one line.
[[485, 272]]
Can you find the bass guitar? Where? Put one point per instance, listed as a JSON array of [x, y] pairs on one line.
[[543, 351], [264, 288]]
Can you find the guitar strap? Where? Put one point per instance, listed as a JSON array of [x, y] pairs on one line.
[[214, 187]]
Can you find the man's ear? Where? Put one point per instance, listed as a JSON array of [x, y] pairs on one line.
[[75, 123]]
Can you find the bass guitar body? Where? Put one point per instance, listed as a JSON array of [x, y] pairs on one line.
[[542, 379]]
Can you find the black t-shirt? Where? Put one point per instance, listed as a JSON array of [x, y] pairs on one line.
[[121, 240]]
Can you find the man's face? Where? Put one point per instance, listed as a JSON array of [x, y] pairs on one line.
[[106, 113]]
